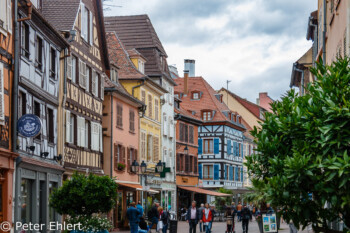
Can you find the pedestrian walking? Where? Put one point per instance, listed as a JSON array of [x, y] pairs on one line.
[[292, 228], [213, 212], [160, 222], [246, 215], [207, 217], [139, 207], [230, 220], [153, 216], [133, 215], [193, 217], [201, 227], [164, 218], [239, 209]]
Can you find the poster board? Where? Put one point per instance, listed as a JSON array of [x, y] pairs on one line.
[[269, 222]]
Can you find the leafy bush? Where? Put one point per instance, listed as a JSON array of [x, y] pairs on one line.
[[85, 195], [91, 223], [303, 150]]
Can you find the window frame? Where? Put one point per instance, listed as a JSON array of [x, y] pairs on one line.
[[208, 146]]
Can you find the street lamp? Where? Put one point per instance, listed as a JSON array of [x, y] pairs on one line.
[[160, 166], [135, 167], [186, 150], [143, 167]]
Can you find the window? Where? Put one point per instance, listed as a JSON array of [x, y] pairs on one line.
[[50, 127], [70, 130], [178, 164], [141, 65], [156, 109], [73, 131], [86, 24], [187, 163], [182, 161], [22, 104], [88, 78], [5, 16], [150, 106], [96, 137], [25, 40], [191, 163], [207, 116], [208, 146], [39, 53], [186, 133], [114, 75], [132, 121], [74, 69], [119, 115], [101, 86], [143, 146], [37, 112], [94, 83], [53, 63], [208, 172], [149, 147], [195, 95], [118, 154], [191, 134]]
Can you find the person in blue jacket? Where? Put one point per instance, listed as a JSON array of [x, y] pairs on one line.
[[139, 207], [133, 215]]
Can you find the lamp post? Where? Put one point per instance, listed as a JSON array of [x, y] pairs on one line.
[[135, 167]]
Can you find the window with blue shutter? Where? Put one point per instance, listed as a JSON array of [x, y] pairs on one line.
[[237, 149], [226, 172], [200, 170], [228, 147], [231, 173], [216, 172], [234, 148], [236, 173], [242, 150], [200, 146], [216, 145], [241, 174]]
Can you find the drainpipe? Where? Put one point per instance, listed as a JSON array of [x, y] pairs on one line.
[[133, 88], [64, 96], [29, 14], [324, 30]]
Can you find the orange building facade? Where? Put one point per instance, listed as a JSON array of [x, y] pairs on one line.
[[6, 76]]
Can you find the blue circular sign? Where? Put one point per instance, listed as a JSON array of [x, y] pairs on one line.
[[29, 125]]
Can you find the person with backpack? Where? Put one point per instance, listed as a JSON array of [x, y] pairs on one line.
[[207, 217], [153, 216], [165, 218], [246, 216]]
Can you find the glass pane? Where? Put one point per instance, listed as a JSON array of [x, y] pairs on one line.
[[26, 195]]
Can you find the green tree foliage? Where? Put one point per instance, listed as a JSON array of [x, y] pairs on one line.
[[221, 202], [303, 150], [85, 195]]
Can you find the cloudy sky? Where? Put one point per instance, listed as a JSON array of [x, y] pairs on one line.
[[253, 43]]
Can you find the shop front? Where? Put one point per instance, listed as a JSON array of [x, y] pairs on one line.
[[168, 196], [35, 181], [6, 182]]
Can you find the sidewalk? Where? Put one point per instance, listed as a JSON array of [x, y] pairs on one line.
[[220, 227]]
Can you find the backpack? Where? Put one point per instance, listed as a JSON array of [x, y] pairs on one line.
[[245, 213], [150, 214]]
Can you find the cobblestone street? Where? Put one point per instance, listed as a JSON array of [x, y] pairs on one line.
[[220, 227]]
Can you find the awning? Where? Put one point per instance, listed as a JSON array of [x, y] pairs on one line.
[[137, 187], [204, 191]]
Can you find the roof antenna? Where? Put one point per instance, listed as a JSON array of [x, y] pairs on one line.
[[109, 6]]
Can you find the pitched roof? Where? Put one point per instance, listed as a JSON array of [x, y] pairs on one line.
[[207, 101], [120, 57], [136, 31], [251, 107], [61, 13]]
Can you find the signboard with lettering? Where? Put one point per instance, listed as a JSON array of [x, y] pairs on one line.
[[29, 125]]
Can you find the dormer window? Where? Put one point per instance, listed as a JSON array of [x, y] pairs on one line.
[[86, 24], [219, 97], [207, 115], [196, 95], [141, 66], [114, 75]]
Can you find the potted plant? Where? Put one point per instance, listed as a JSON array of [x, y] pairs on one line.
[[121, 166]]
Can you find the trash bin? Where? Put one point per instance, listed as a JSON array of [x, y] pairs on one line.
[[173, 226]]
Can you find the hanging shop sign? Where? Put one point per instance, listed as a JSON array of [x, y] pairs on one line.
[[269, 222], [29, 125]]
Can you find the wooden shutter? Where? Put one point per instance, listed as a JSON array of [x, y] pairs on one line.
[[216, 172], [216, 145], [156, 109], [2, 97], [143, 96], [122, 153], [69, 67], [95, 132], [149, 147], [93, 82], [150, 106], [191, 134], [200, 146], [101, 138], [155, 149], [102, 85], [91, 29], [128, 167], [82, 74], [200, 171], [228, 147], [131, 120], [9, 17], [115, 157]]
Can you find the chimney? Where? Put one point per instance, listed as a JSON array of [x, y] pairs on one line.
[[190, 65], [186, 82]]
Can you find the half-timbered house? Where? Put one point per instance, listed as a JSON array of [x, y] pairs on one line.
[[82, 94], [220, 137], [38, 170]]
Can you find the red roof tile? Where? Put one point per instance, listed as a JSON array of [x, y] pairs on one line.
[[208, 100]]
